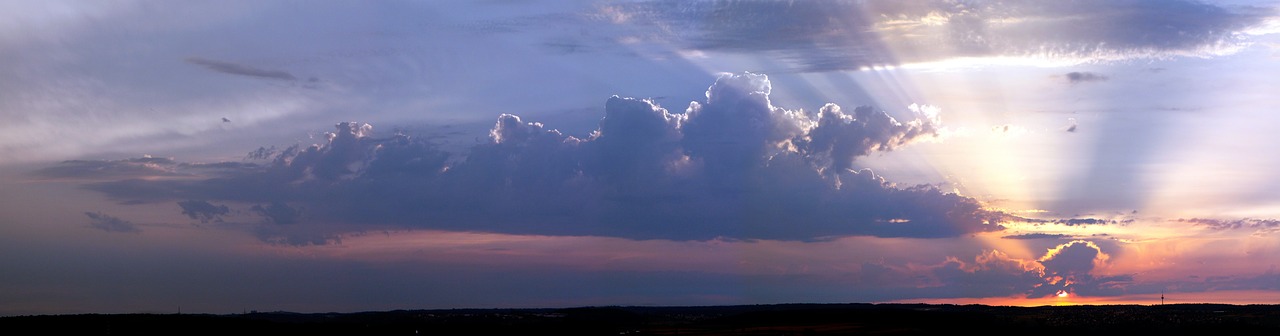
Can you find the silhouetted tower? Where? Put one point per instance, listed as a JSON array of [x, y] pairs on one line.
[[1161, 297]]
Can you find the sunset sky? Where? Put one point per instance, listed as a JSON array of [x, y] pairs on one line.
[[344, 156]]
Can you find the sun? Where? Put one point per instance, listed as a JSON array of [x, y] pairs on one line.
[[1062, 294]]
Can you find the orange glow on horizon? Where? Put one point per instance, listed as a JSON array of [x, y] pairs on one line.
[[1215, 297]]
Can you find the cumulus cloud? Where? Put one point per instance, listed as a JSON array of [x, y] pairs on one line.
[[992, 273], [240, 69], [843, 35], [109, 223], [1070, 267], [841, 137], [732, 165]]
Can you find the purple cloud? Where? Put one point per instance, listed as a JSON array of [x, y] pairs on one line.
[[733, 165], [109, 223]]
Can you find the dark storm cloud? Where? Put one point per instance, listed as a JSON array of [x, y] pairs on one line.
[[240, 69], [203, 210], [1078, 77], [109, 223], [733, 165], [842, 35]]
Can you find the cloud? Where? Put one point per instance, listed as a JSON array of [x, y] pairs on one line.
[[992, 273], [1073, 258], [1261, 226], [134, 167], [1037, 236], [1079, 77], [1087, 221], [108, 223], [141, 167], [846, 35], [278, 212], [203, 210], [733, 165], [1070, 267], [1072, 221], [841, 137], [240, 69]]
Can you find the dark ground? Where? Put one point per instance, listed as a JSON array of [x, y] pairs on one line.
[[790, 319]]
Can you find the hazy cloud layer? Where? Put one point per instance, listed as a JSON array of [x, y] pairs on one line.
[[836, 35]]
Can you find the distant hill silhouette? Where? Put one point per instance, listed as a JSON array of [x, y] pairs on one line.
[[781, 319]]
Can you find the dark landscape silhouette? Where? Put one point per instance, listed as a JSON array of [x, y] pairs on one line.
[[779, 319]]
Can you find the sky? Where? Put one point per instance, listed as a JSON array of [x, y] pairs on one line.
[[346, 156]]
